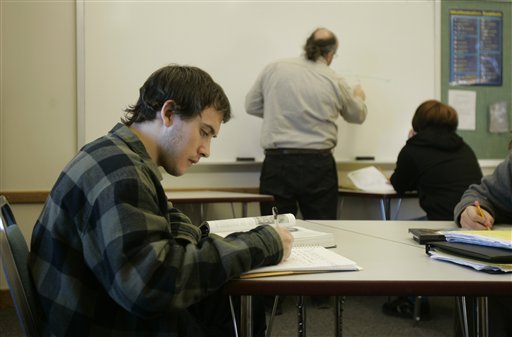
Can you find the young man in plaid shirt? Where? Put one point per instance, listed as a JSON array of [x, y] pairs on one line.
[[111, 257]]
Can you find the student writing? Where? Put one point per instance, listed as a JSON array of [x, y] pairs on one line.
[[109, 255]]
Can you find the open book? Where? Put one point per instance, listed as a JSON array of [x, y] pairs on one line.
[[370, 179], [309, 253], [304, 260], [302, 236]]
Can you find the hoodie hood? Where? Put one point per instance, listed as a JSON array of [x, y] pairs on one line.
[[437, 138]]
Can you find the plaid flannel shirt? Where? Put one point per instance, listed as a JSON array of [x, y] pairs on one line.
[[111, 257]]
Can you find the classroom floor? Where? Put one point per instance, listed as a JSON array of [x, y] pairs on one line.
[[362, 316]]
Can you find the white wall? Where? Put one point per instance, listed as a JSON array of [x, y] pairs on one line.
[[38, 113], [38, 108], [389, 47]]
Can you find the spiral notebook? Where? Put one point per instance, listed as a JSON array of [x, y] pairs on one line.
[[306, 260]]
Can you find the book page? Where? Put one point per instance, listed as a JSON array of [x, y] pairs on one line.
[[308, 237], [309, 259], [301, 236], [370, 179], [227, 226]]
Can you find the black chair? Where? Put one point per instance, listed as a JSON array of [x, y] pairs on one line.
[[14, 256]]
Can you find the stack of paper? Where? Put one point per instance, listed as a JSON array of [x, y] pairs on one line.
[[475, 264], [492, 238], [370, 179], [485, 250]]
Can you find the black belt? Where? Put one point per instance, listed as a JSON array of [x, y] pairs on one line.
[[296, 151]]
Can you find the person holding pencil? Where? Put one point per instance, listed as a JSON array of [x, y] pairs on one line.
[[481, 206], [490, 201]]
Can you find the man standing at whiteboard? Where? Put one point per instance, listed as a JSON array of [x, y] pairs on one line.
[[300, 100]]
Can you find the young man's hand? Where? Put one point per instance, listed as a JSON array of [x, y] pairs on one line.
[[287, 240]]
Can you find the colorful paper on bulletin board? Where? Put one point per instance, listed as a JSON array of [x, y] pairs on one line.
[[498, 118], [476, 43]]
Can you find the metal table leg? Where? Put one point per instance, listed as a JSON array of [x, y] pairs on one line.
[[385, 208], [301, 317], [244, 209], [340, 206], [246, 316], [463, 315], [482, 316], [339, 316], [398, 204]]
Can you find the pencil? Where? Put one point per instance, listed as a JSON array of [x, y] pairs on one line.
[[477, 205]]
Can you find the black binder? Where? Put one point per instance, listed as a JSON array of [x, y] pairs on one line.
[[477, 252]]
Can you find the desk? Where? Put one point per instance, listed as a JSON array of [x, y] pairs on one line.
[[393, 264], [383, 197], [209, 197]]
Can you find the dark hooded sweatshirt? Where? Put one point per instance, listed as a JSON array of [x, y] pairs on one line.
[[440, 166]]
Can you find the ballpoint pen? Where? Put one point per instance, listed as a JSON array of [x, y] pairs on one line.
[[274, 213], [276, 221]]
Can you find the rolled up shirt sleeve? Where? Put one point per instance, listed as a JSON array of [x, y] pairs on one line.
[[354, 109]]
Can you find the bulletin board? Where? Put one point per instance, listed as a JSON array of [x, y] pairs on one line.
[[486, 144], [476, 47]]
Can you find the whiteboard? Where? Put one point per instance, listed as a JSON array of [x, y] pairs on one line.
[[389, 47]]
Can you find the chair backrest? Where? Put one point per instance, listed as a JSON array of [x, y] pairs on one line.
[[14, 255]]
